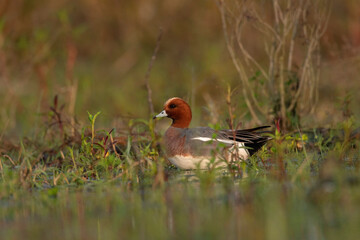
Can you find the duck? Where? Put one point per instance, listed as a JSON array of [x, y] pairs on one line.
[[203, 147]]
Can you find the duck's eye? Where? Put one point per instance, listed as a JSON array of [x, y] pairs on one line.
[[172, 106]]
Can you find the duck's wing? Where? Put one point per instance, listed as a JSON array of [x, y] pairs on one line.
[[202, 141], [252, 138]]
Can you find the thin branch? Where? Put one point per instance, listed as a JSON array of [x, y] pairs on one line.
[[234, 60], [292, 41], [248, 56], [147, 76], [317, 79], [251, 109], [266, 26], [243, 73], [303, 75]]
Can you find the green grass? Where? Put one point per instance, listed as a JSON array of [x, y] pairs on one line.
[[298, 187]]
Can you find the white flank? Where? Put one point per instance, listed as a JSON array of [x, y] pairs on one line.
[[188, 162], [240, 150]]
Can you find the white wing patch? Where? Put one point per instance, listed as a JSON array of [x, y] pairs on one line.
[[238, 147], [207, 139]]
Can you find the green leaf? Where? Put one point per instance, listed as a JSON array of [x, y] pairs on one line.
[[97, 114], [63, 17], [90, 116], [2, 24], [52, 192]]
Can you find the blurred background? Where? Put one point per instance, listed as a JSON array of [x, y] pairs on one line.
[[94, 56]]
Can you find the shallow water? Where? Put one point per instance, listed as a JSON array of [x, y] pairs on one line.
[[189, 205]]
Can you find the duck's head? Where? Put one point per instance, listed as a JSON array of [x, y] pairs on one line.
[[178, 110]]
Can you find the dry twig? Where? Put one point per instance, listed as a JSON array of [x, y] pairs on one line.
[[292, 27], [147, 75]]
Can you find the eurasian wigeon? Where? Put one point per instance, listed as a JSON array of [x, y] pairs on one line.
[[191, 148]]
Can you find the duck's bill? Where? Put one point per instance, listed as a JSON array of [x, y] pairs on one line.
[[160, 115]]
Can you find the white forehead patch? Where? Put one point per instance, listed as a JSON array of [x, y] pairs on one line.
[[169, 100]]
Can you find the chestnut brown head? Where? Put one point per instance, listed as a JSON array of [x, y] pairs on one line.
[[178, 110]]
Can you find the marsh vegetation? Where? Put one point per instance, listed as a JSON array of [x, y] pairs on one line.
[[82, 158]]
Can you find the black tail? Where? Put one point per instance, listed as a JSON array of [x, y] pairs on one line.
[[253, 147], [252, 138]]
